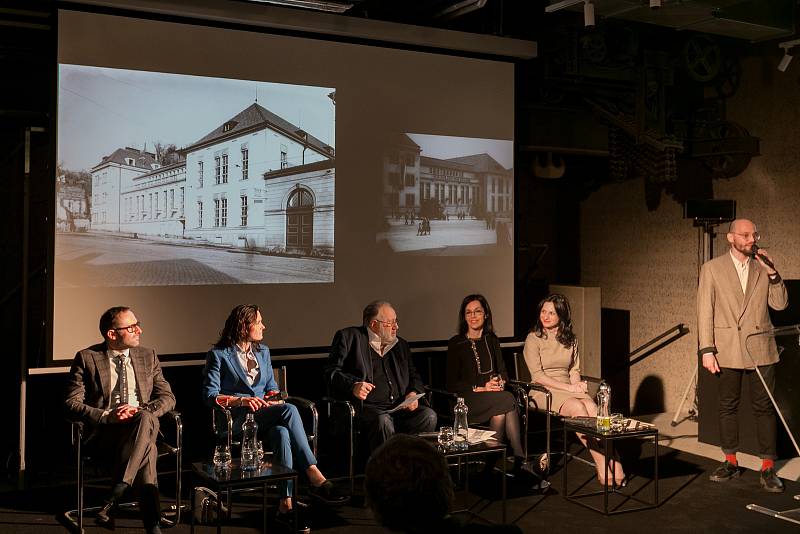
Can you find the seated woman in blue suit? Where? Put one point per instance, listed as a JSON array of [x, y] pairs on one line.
[[238, 375]]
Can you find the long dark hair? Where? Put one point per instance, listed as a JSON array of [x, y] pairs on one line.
[[564, 334], [488, 328], [237, 326]]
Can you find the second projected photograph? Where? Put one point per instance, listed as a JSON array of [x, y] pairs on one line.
[[167, 179], [447, 196]]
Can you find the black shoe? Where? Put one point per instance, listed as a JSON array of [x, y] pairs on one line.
[[328, 493], [770, 481], [286, 520], [155, 529], [725, 472], [529, 475]]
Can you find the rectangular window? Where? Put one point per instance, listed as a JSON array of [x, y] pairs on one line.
[[409, 199], [223, 211], [284, 157], [245, 163], [216, 170], [199, 174], [158, 208], [224, 168], [244, 209], [199, 213], [171, 200], [183, 196], [216, 212]]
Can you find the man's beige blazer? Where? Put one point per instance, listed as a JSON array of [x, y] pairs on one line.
[[726, 317]]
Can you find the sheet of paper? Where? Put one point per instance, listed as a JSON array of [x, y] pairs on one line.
[[476, 435], [406, 402]]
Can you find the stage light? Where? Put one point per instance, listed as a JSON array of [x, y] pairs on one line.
[[588, 14], [788, 53]]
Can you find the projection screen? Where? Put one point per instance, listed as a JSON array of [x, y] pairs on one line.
[[203, 167]]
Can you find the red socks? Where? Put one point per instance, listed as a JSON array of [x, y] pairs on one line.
[[767, 463], [731, 459]]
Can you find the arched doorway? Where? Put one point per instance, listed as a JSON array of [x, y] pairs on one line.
[[300, 221]]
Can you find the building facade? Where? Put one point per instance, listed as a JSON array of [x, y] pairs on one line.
[[255, 182], [474, 185]]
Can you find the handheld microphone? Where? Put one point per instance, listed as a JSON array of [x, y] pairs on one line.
[[766, 260]]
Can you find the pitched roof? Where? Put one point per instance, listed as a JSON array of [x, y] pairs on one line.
[[428, 160], [255, 116], [480, 163], [143, 160]]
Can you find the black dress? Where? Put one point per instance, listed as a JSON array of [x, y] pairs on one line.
[[463, 374]]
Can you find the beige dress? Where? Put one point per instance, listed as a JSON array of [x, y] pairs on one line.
[[547, 357]]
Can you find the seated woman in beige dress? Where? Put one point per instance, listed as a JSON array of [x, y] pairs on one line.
[[551, 353]]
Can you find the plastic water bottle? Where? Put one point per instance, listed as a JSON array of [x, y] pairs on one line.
[[250, 458], [604, 407], [460, 425]]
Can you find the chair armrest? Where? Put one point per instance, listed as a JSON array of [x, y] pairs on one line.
[[441, 392], [216, 408], [332, 402], [529, 386], [300, 402]]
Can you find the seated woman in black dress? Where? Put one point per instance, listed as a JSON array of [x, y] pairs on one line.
[[475, 371]]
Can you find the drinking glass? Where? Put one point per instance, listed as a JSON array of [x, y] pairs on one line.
[[616, 422], [445, 437], [222, 456]]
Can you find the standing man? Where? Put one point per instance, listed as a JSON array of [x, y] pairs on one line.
[[733, 297], [373, 366], [117, 389]]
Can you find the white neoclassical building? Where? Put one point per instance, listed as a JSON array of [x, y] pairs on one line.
[[475, 184], [256, 181]]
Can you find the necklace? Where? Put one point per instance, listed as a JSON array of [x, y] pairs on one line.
[[478, 358]]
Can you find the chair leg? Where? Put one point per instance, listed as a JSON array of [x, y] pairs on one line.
[[80, 487]]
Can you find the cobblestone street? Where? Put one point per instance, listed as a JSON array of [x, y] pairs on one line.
[[85, 260]]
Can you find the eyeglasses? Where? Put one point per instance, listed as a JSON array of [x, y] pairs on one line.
[[131, 328], [477, 312], [390, 324], [756, 236]]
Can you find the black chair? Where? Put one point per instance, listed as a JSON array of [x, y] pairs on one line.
[[534, 398], [222, 425], [342, 422], [222, 419], [74, 518]]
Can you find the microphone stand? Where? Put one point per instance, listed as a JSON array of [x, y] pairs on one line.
[[793, 515]]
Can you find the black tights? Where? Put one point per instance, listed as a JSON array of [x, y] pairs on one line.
[[507, 424]]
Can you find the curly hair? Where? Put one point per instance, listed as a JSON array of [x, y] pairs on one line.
[[237, 326], [564, 334], [408, 485], [488, 327]]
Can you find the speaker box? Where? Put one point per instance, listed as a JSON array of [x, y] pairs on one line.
[[710, 210]]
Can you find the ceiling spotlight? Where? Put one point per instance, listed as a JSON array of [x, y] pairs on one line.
[[788, 53], [785, 60], [588, 14], [655, 4]]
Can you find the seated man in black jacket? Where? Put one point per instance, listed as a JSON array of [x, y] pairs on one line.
[[372, 366]]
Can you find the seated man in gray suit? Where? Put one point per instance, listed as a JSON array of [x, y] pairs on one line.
[[116, 388], [372, 366]]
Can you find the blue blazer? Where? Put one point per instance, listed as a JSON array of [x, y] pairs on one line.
[[223, 375]]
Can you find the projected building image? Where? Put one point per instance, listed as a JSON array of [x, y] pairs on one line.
[[246, 197], [447, 195]]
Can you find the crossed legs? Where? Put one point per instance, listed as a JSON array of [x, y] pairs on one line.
[[585, 407]]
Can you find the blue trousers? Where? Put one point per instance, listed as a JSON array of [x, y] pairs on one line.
[[282, 427]]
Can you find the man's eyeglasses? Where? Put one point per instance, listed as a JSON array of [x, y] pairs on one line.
[[390, 324], [756, 236], [131, 328], [476, 313]]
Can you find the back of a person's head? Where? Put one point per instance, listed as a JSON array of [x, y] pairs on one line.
[[408, 484]]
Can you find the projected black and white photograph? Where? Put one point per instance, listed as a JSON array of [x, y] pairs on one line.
[[449, 196], [168, 179]]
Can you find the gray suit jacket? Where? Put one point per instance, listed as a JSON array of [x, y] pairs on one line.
[[89, 387], [725, 316]]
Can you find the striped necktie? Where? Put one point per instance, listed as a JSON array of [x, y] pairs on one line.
[[122, 372]]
